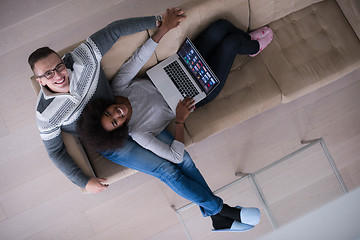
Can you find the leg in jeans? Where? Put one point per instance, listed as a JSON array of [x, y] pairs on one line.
[[187, 166], [219, 44], [184, 178]]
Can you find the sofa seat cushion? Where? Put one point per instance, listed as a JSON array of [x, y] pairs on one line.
[[248, 91], [311, 48]]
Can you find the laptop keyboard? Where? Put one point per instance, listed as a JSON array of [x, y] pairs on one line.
[[181, 80]]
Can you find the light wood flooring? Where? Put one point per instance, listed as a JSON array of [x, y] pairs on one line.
[[38, 202]]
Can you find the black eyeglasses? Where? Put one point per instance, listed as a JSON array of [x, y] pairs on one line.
[[51, 73]]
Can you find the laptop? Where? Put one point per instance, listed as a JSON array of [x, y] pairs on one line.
[[184, 74]]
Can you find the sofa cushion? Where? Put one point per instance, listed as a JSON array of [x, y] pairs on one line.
[[76, 151], [263, 12], [311, 48], [249, 90]]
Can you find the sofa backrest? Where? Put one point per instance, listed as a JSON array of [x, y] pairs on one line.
[[200, 13], [351, 10], [263, 12]]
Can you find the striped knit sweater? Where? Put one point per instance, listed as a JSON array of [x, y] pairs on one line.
[[59, 111]]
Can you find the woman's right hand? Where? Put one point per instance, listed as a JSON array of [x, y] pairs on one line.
[[172, 18], [184, 108]]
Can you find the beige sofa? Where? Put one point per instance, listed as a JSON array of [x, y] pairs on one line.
[[315, 43]]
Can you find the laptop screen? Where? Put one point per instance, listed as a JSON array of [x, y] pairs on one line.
[[197, 66]]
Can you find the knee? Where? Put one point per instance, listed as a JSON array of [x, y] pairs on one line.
[[222, 22], [232, 43], [220, 25], [232, 39], [187, 162]]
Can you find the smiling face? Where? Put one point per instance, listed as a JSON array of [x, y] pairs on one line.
[[60, 81], [115, 116]]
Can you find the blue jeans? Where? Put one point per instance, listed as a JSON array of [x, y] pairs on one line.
[[184, 178], [219, 44]]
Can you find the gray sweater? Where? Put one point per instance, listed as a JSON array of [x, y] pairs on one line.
[[150, 112], [58, 111]]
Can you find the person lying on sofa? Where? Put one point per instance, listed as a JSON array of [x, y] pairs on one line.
[[68, 84], [140, 112]]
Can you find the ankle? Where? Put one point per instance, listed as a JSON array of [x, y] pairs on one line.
[[264, 42], [230, 212], [221, 222]]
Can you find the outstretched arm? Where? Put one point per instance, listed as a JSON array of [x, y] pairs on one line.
[[58, 154], [106, 37], [128, 70]]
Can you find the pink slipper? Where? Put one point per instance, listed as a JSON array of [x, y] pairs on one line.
[[263, 42], [259, 33]]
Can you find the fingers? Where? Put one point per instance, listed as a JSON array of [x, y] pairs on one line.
[[176, 10], [101, 188], [176, 15], [102, 179], [96, 185], [189, 103], [180, 13], [101, 185], [184, 108]]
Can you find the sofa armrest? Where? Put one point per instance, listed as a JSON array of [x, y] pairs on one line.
[[76, 151], [351, 10]]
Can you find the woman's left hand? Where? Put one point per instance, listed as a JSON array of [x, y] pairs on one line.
[[184, 108]]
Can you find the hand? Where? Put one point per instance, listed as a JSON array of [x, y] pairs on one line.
[[184, 108], [172, 18], [95, 185]]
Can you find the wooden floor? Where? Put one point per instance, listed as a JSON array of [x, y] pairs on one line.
[[38, 202]]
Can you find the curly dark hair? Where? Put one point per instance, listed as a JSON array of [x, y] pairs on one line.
[[93, 135]]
